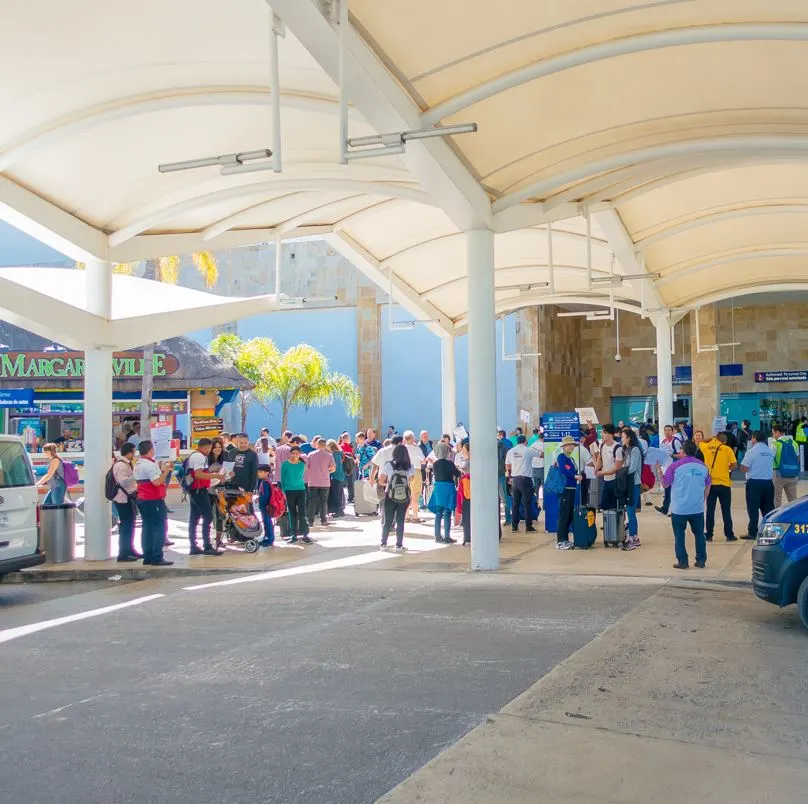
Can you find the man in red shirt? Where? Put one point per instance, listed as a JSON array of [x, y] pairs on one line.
[[151, 493], [199, 498]]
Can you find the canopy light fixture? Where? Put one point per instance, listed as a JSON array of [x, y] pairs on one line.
[[291, 302], [398, 326], [224, 161], [525, 287], [394, 143], [618, 279]]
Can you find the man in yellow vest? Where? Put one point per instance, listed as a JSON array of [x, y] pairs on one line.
[[720, 461], [801, 437]]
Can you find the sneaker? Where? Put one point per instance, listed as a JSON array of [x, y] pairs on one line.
[[531, 529], [307, 540], [382, 547], [401, 549], [681, 566], [514, 528], [564, 545], [631, 545], [700, 564], [749, 538], [732, 538], [660, 509], [293, 540], [195, 551], [450, 540], [211, 551]]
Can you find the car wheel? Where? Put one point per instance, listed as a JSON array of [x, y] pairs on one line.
[[802, 602]]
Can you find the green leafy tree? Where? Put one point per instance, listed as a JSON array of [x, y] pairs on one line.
[[298, 377], [255, 359]]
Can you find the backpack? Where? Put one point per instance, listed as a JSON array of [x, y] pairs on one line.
[[555, 482], [111, 485], [398, 487], [348, 463], [184, 477], [70, 474], [647, 479], [789, 462], [277, 502]]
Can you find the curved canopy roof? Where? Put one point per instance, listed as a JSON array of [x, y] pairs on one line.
[[678, 128]]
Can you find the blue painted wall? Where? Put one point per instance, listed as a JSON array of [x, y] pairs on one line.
[[17, 248]]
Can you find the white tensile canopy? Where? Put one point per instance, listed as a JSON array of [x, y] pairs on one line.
[[662, 143]]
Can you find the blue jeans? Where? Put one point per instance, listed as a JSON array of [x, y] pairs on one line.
[[443, 515], [505, 497], [56, 495], [680, 523], [269, 528], [631, 513], [153, 517]]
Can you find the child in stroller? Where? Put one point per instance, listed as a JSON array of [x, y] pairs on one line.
[[240, 524]]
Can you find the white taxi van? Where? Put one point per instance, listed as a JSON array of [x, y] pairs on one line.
[[19, 512]]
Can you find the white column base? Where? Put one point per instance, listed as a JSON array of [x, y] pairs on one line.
[[97, 452], [483, 401]]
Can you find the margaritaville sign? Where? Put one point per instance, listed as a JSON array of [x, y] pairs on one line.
[[70, 365]]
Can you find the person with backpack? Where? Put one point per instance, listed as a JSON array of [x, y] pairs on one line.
[[609, 461], [121, 491], [786, 466], [758, 465], [265, 507], [720, 460], [196, 477], [628, 485], [671, 445], [395, 478]]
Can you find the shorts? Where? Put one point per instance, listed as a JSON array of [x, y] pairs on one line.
[[416, 485]]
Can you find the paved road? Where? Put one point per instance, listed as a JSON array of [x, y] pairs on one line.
[[326, 687]]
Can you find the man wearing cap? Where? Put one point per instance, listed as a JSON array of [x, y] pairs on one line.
[[519, 465]]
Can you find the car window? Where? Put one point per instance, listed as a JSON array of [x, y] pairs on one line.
[[15, 469]]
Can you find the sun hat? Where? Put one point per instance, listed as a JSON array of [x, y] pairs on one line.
[[568, 440]]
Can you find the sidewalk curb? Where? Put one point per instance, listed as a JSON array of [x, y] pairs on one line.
[[126, 574]]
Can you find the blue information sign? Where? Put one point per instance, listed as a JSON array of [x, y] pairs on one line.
[[558, 425], [16, 397], [781, 376]]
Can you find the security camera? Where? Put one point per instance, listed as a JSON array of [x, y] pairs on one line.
[[618, 357]]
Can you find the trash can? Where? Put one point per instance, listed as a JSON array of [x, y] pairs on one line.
[[57, 531]]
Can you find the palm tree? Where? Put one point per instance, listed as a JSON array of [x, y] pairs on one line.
[[165, 269], [301, 378]]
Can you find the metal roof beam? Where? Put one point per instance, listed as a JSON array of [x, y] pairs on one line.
[[403, 294], [639, 43], [50, 224], [387, 107], [622, 245]]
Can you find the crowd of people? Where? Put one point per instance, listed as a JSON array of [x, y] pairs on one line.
[[300, 485]]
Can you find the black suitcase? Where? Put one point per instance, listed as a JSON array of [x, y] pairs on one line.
[[584, 527], [614, 527]]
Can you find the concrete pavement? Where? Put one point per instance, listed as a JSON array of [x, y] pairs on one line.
[[696, 696]]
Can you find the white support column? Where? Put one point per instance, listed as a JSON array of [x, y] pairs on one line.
[[97, 419], [448, 395], [664, 370], [483, 401]]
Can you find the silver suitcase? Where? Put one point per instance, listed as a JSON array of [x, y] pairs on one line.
[[366, 499], [614, 527]]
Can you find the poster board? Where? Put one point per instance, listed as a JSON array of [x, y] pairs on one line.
[[161, 438], [587, 415]]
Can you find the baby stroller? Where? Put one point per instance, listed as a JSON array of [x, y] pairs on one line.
[[240, 524]]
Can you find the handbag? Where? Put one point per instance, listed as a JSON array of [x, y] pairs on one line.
[[555, 481]]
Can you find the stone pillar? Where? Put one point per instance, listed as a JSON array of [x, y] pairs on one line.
[[369, 356], [706, 392], [528, 369]]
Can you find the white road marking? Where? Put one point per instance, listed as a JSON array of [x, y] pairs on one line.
[[24, 630], [337, 563]]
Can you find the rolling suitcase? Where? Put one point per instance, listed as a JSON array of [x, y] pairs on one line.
[[366, 499], [584, 527], [614, 527]]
